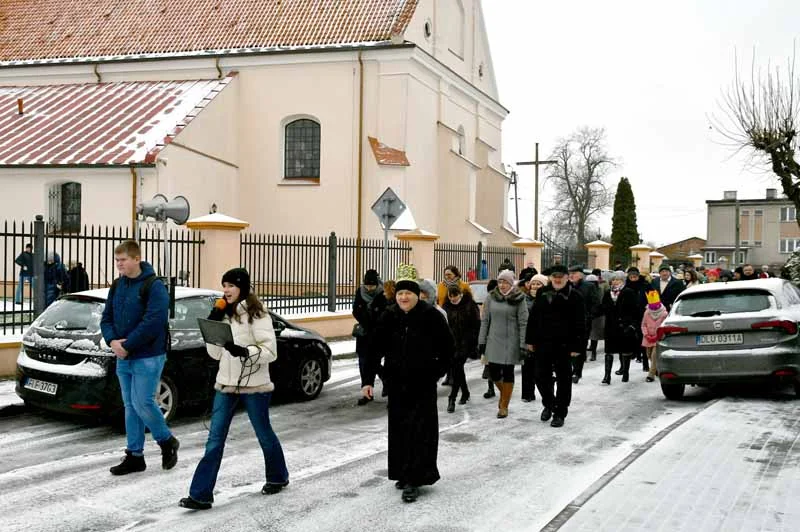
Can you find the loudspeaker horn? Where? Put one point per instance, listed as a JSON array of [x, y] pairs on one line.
[[148, 208], [176, 210]]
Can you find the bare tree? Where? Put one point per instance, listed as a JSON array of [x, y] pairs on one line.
[[578, 176], [761, 113]]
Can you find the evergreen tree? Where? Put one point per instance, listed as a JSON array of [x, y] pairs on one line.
[[624, 232]]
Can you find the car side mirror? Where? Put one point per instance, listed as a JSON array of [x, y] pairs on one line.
[[279, 327]]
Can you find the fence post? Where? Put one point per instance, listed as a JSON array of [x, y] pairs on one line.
[[38, 266], [222, 235], [332, 249], [479, 267]]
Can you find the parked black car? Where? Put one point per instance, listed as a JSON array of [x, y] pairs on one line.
[[64, 364]]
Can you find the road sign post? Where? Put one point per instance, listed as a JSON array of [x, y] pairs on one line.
[[388, 209]]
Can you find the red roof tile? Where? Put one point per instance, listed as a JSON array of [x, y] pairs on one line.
[[98, 123], [41, 30]]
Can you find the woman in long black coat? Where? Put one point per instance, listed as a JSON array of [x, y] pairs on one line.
[[464, 319], [368, 305], [418, 348], [620, 306]]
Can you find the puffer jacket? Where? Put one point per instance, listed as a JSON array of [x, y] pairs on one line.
[[505, 319], [251, 374]]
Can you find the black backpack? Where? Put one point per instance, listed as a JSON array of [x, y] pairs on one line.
[[144, 296]]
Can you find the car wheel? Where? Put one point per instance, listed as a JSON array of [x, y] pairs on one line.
[[167, 397], [673, 392], [308, 382]]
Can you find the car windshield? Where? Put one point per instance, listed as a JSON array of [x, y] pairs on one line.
[[716, 303], [72, 315]]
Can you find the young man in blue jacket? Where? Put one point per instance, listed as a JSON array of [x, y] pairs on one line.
[[135, 325]]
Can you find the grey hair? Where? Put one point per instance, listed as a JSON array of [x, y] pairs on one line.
[[619, 275]]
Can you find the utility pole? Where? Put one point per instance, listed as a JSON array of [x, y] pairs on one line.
[[536, 163], [737, 242]]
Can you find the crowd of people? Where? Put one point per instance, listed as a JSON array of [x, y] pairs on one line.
[[57, 279]]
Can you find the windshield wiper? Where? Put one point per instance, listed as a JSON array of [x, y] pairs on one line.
[[705, 314], [70, 328]]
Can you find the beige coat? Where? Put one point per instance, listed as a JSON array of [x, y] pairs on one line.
[[249, 375]]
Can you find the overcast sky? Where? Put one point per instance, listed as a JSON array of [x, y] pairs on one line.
[[653, 75]]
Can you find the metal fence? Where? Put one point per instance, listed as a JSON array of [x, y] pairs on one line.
[[93, 249], [553, 253], [471, 258], [297, 274]]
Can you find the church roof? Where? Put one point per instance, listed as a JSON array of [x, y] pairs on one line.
[[46, 31], [98, 124]]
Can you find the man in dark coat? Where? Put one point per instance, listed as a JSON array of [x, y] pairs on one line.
[[25, 262], [78, 278], [640, 286], [591, 304], [556, 332], [748, 273], [368, 305], [418, 348], [667, 286]]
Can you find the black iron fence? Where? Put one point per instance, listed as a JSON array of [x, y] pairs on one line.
[[553, 253], [90, 251], [297, 274], [476, 261]]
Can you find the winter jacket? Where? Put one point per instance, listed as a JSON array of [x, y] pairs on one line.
[[441, 291], [623, 322], [464, 320], [673, 288], [591, 299], [650, 324], [251, 374], [503, 326], [417, 347], [144, 329], [25, 262], [558, 322], [367, 315], [55, 281], [78, 279]]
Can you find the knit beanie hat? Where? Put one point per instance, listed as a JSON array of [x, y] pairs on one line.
[[239, 278], [506, 275], [406, 278], [371, 277], [429, 287], [541, 278]]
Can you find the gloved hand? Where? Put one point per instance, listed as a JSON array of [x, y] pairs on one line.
[[524, 353], [237, 350], [218, 312], [482, 349]]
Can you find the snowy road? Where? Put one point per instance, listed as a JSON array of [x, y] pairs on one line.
[[517, 473]]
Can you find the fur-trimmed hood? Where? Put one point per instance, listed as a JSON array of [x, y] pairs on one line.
[[515, 297]]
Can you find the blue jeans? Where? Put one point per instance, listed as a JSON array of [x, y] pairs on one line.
[[138, 381], [257, 406], [22, 280]]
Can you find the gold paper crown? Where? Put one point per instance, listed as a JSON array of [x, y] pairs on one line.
[[652, 297], [406, 272]]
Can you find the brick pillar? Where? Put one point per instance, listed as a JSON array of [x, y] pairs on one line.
[[602, 254], [533, 251], [422, 243], [221, 251]]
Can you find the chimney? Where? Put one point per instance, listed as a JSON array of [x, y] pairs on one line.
[[20, 107], [772, 193], [729, 195]]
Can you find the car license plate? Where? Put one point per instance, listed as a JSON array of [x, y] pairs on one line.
[[41, 386], [720, 339]]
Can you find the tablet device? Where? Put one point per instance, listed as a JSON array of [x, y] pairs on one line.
[[215, 332]]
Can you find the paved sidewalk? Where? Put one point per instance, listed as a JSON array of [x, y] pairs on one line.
[[734, 466]]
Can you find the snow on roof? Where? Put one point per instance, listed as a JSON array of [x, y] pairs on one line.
[[44, 31], [98, 123]]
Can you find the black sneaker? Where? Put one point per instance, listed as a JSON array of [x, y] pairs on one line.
[[575, 379], [410, 494], [169, 452], [191, 504], [546, 414], [464, 399], [129, 464], [271, 489], [558, 421]]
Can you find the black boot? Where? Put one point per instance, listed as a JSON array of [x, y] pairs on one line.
[[645, 363], [129, 464], [169, 452], [451, 405], [621, 364], [609, 361], [593, 348], [464, 398], [490, 392], [626, 368], [191, 504]]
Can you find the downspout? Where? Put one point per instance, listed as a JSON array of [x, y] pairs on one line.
[[134, 188], [360, 162]]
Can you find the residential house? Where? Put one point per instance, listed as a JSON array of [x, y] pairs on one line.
[[679, 252], [768, 230], [293, 115]]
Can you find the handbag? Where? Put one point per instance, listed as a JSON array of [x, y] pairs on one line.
[[358, 331]]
